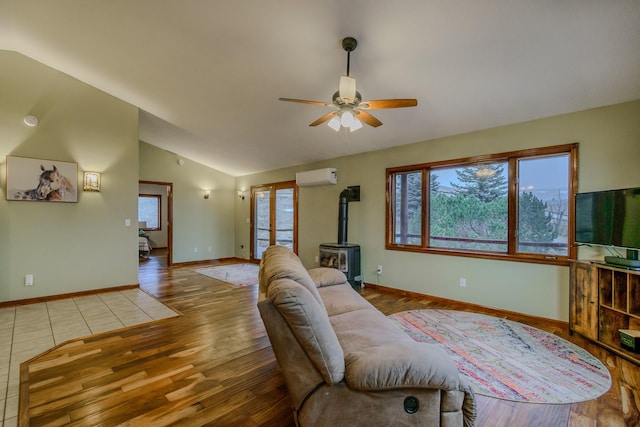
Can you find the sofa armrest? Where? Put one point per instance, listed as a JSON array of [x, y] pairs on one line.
[[409, 365], [401, 365], [324, 276]]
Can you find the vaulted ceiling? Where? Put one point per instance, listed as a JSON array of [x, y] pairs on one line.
[[207, 75]]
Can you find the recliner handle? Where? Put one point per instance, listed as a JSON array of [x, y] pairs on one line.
[[411, 404]]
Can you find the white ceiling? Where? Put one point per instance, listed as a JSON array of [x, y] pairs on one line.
[[207, 74]]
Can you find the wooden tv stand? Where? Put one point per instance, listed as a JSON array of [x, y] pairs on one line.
[[603, 299]]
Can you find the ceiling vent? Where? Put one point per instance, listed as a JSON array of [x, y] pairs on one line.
[[324, 176]]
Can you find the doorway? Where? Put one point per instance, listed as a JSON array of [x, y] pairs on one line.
[[164, 232], [274, 217]]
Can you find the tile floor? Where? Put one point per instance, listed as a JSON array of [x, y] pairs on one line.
[[28, 330]]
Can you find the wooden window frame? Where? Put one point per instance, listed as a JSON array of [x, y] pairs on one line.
[[511, 158]]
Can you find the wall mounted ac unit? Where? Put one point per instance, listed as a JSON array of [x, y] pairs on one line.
[[317, 177]]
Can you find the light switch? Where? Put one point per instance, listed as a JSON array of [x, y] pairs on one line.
[[127, 222]]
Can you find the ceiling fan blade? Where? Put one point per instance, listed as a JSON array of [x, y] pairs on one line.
[[304, 101], [368, 119], [388, 103], [323, 118]]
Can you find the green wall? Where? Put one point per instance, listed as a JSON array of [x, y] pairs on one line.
[[68, 247], [609, 139], [202, 228], [71, 247]]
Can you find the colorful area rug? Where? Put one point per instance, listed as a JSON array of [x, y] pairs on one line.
[[236, 274], [510, 360]]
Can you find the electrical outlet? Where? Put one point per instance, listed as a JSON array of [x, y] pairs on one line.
[[379, 270], [195, 250], [317, 259], [463, 282]]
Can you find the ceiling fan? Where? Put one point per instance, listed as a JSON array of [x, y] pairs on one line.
[[351, 108]]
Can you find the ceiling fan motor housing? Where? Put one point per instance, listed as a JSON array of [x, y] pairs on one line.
[[339, 101]]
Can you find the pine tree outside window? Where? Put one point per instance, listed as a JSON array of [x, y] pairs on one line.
[[469, 211]]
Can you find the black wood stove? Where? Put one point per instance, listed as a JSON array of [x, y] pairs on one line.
[[342, 255]]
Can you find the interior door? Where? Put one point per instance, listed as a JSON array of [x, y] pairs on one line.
[[165, 189], [273, 217]]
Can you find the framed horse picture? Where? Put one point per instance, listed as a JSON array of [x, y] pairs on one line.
[[41, 180]]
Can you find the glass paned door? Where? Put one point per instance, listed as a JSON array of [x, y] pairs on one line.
[[273, 217], [262, 222], [284, 217]]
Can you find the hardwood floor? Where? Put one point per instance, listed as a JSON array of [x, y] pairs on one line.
[[214, 366]]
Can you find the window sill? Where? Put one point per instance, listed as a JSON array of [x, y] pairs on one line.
[[533, 259]]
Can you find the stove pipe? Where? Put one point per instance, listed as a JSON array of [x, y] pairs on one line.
[[343, 219]]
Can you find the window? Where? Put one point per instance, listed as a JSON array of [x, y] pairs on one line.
[[408, 208], [506, 206], [469, 207], [149, 212]]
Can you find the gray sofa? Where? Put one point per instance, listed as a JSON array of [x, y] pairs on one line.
[[347, 364]]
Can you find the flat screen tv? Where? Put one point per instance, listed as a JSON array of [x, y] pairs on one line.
[[610, 218]]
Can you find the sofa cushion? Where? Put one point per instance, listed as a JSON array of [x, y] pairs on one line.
[[367, 328], [324, 276], [279, 262], [342, 298], [310, 324]]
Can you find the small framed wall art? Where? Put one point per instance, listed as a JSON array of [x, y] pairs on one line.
[[41, 180]]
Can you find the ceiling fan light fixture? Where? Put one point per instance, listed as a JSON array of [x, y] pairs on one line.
[[347, 88], [355, 125], [346, 119], [335, 123]]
